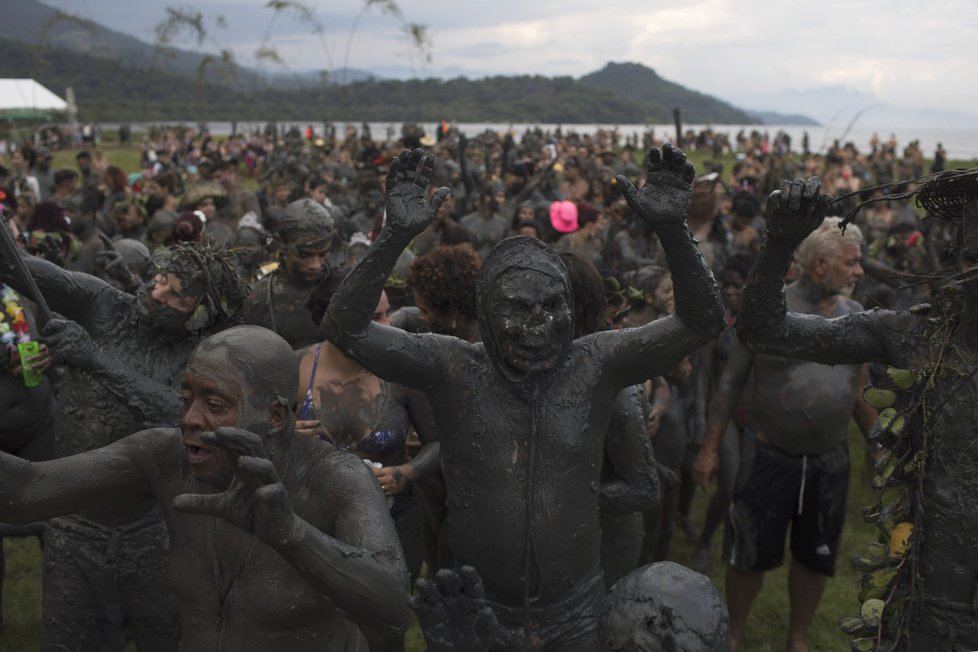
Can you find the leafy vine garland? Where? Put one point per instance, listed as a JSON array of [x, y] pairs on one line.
[[908, 413]]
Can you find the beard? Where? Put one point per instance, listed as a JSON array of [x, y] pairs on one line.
[[158, 316]]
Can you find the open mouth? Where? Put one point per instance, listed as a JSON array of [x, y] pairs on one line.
[[197, 454]]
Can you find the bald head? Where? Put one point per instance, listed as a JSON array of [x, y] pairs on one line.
[[266, 361]]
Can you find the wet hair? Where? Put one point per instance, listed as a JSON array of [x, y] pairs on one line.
[[446, 277], [304, 221], [825, 241], [266, 360], [587, 286], [327, 285]]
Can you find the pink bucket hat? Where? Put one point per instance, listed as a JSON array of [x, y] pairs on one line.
[[563, 216]]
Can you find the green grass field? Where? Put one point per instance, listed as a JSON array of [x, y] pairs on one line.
[[767, 627], [128, 159]]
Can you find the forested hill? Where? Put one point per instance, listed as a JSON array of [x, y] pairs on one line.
[[114, 91], [659, 96]]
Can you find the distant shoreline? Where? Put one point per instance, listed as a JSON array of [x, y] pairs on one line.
[[961, 144]]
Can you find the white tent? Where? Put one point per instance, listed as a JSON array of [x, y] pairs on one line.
[[27, 98]]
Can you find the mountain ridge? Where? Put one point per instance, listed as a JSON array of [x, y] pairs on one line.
[[117, 80]]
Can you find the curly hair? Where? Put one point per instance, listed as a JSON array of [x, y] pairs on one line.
[[446, 278]]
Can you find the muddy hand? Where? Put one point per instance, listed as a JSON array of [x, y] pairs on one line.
[[668, 189], [68, 342], [407, 179], [795, 210], [256, 501], [454, 613]]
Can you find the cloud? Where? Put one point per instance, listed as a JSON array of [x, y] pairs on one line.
[[903, 52]]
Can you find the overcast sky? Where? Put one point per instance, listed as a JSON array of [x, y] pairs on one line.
[[911, 55]]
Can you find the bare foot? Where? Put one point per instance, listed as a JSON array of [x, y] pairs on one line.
[[798, 644]]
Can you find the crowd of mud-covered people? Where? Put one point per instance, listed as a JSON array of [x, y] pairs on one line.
[[274, 390]]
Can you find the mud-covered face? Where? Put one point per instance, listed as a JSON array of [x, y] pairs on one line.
[[531, 319], [164, 305], [305, 262], [213, 394], [168, 290]]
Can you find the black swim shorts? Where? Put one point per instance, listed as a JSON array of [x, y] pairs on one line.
[[775, 490]]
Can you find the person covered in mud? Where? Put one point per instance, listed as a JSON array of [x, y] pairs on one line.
[[277, 542], [664, 606], [341, 402], [486, 226], [713, 360], [629, 481], [937, 344], [795, 464], [304, 235], [106, 563], [523, 414]]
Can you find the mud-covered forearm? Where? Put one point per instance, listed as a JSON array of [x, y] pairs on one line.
[[427, 461], [724, 400], [363, 585], [635, 486], [764, 305], [106, 478], [18, 475], [351, 309], [637, 494], [158, 403], [72, 294], [697, 296]]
